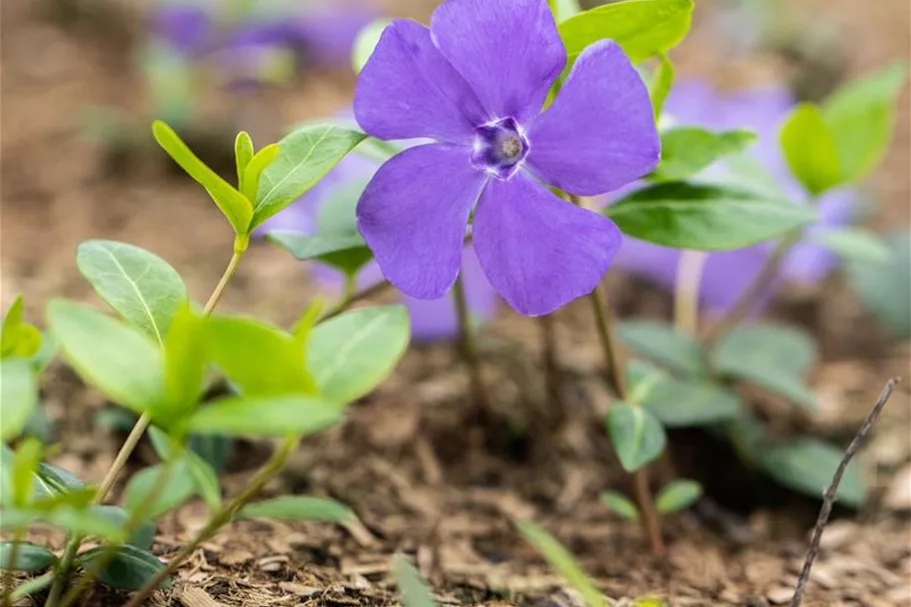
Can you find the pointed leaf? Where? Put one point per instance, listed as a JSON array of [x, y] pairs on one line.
[[243, 154], [706, 217], [75, 521], [128, 569], [414, 589], [29, 556], [678, 495], [809, 148], [22, 472], [232, 203], [854, 243], [300, 508], [638, 437], [347, 252], [349, 355], [562, 562], [685, 403], [254, 170], [18, 396], [662, 82], [184, 363], [685, 151], [116, 359], [52, 480], [18, 338], [620, 505], [304, 158], [265, 416]]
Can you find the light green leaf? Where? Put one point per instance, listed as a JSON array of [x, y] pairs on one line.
[[706, 217], [349, 355], [18, 396], [854, 243], [116, 359], [300, 508], [414, 589], [638, 437], [258, 358], [143, 493], [773, 357], [204, 476], [76, 521], [266, 416], [234, 205], [663, 344], [562, 562], [254, 171], [184, 363], [52, 480], [18, 339], [642, 28], [139, 285], [809, 149], [620, 505], [29, 557], [807, 465], [347, 252], [564, 9], [861, 117], [128, 569], [366, 41], [685, 151], [142, 537], [243, 154], [678, 495], [22, 471], [305, 157], [885, 288], [661, 84]]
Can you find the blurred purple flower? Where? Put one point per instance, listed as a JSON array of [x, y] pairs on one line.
[[430, 319], [726, 274], [476, 81]]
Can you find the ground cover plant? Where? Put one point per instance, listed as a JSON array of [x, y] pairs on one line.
[[514, 151]]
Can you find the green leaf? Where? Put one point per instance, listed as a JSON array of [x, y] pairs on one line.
[[686, 151], [807, 465], [706, 217], [128, 569], [300, 508], [235, 206], [809, 149], [663, 344], [139, 285], [22, 472], [266, 416], [853, 243], [414, 589], [620, 505], [564, 9], [305, 157], [861, 117], [642, 28], [684, 403], [29, 557], [365, 41], [638, 437], [116, 359], [885, 288], [243, 154], [347, 252], [661, 84], [142, 536], [204, 476], [678, 495], [18, 396], [143, 493], [184, 363], [75, 521], [254, 171], [17, 338], [562, 562], [773, 357], [214, 450], [349, 355], [52, 480], [260, 359]]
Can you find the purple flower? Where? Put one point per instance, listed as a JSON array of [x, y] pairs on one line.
[[430, 319], [475, 82], [727, 274], [184, 26]]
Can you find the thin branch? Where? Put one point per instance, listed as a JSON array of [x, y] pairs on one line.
[[348, 301], [829, 498]]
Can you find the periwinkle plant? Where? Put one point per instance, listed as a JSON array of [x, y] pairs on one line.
[[520, 143]]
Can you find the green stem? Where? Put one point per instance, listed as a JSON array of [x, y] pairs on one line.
[[354, 297], [8, 574], [32, 586], [220, 518], [225, 279], [468, 347]]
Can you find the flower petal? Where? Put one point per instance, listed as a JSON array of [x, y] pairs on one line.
[[600, 133], [407, 89], [540, 252], [413, 216], [509, 51]]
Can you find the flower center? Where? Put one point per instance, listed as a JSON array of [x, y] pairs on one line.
[[499, 148]]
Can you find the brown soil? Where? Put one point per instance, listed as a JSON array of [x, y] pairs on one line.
[[424, 476]]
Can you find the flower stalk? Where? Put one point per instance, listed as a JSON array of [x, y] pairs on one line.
[[468, 347]]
